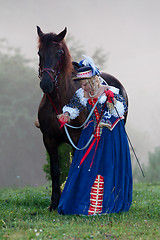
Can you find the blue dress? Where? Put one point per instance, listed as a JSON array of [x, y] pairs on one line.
[[100, 176]]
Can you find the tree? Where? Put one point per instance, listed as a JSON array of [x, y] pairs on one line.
[[152, 170], [77, 51], [19, 100]]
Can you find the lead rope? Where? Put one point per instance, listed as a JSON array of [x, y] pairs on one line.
[[69, 138], [68, 125], [91, 137], [128, 139]]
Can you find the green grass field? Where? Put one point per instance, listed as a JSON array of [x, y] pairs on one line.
[[24, 215]]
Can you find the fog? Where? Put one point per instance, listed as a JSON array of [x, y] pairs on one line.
[[129, 31]]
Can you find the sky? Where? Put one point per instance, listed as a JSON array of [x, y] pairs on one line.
[[127, 30]]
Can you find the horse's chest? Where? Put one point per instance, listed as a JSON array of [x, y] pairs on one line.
[[48, 122]]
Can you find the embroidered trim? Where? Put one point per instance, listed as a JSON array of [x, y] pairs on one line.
[[74, 112], [85, 74], [109, 125], [96, 196], [115, 123]]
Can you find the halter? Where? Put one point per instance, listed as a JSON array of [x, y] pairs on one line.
[[54, 79]]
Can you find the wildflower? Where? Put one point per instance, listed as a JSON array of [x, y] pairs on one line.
[[35, 230], [37, 234]]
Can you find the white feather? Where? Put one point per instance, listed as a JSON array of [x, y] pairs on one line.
[[88, 61]]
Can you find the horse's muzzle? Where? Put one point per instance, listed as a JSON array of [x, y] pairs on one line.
[[46, 86]]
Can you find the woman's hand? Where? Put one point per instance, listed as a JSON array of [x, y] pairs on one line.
[[110, 95], [63, 119]]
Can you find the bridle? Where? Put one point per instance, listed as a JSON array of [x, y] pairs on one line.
[[58, 66]]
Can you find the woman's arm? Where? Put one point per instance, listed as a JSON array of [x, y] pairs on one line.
[[76, 105], [72, 110]]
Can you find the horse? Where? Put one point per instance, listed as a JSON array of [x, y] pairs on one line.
[[56, 70]]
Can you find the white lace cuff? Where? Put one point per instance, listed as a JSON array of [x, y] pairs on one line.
[[73, 112]]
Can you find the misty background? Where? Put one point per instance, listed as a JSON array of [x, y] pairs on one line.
[[128, 32]]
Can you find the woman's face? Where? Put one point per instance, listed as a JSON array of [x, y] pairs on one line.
[[85, 86]]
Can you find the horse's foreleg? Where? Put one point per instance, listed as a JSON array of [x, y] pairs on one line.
[[55, 175], [52, 149]]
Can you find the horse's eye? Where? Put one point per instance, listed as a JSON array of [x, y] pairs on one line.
[[60, 52]]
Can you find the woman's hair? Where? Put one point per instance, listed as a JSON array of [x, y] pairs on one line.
[[94, 83]]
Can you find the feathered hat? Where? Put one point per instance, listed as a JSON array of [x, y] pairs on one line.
[[87, 69]]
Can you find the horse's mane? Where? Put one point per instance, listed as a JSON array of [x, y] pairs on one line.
[[66, 68]]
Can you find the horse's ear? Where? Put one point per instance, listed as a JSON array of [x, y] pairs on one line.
[[61, 35], [39, 31]]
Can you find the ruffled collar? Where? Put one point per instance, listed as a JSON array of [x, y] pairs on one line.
[[83, 100]]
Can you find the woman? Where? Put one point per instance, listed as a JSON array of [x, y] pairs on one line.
[[100, 177]]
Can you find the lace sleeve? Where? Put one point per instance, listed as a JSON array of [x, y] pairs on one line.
[[119, 98], [76, 105], [120, 106]]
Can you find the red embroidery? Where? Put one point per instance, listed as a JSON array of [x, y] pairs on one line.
[[96, 196], [92, 102]]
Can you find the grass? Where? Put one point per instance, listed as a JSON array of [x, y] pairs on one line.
[[24, 215]]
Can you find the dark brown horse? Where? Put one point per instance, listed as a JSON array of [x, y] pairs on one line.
[[56, 71]]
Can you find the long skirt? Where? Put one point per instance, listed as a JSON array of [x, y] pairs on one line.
[[102, 183]]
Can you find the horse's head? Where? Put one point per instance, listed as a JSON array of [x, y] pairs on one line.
[[51, 53]]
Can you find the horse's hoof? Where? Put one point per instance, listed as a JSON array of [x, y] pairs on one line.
[[37, 123], [50, 208], [53, 206]]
